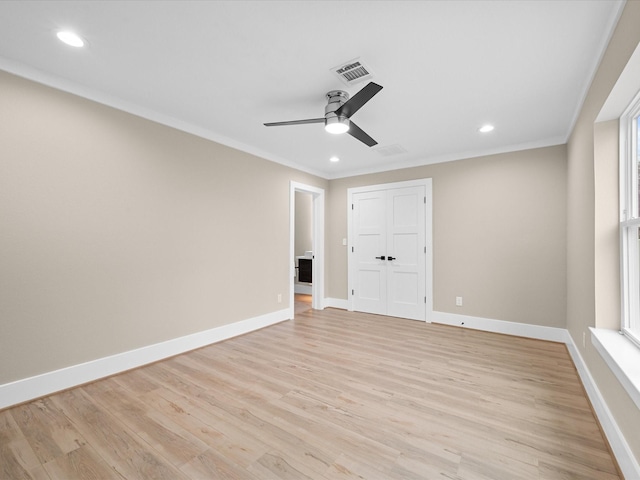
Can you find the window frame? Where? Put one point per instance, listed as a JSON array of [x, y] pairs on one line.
[[630, 222]]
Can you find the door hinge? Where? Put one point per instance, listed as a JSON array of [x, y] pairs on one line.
[[425, 299], [352, 249], [352, 206], [425, 200], [425, 249], [353, 292]]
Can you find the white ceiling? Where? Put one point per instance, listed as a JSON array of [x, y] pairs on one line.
[[220, 69]]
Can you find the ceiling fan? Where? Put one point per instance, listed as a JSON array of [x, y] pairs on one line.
[[338, 112]]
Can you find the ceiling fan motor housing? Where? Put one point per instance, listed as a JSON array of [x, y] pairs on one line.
[[335, 98]]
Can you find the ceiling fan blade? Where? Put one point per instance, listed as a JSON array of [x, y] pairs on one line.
[[354, 104], [295, 122], [356, 132]]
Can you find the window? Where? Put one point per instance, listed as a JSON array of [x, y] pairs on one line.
[[630, 219]]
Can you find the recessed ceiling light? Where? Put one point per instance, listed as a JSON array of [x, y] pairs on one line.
[[70, 38], [334, 159], [486, 128]]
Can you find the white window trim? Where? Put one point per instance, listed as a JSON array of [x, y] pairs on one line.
[[623, 358], [628, 207], [621, 349], [619, 353]]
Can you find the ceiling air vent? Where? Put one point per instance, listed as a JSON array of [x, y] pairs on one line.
[[352, 72], [391, 150]]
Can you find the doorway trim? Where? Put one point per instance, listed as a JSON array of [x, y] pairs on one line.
[[317, 244], [428, 211]]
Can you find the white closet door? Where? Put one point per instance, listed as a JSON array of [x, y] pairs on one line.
[[406, 256], [389, 252], [369, 217]]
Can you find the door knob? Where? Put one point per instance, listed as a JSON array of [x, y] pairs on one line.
[[380, 258], [391, 258]]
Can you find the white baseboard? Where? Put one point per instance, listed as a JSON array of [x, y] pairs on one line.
[[626, 460], [336, 303], [31, 388], [500, 326]]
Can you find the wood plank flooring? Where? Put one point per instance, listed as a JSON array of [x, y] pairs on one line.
[[330, 395], [302, 303]]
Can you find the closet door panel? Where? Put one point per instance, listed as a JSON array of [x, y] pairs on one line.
[[406, 247], [369, 217]]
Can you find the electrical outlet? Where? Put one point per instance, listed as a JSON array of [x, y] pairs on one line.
[[458, 301], [279, 298]]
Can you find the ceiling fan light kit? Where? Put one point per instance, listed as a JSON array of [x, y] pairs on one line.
[[337, 125], [338, 112]]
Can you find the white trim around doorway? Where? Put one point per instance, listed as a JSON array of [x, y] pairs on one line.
[[317, 284]]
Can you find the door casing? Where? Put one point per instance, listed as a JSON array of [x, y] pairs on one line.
[[317, 276]]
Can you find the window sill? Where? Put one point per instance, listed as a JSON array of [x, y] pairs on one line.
[[622, 357]]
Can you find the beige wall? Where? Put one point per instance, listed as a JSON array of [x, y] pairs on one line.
[[498, 234], [120, 233], [117, 232], [590, 248]]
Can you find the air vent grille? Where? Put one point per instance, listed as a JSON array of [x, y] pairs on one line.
[[352, 72], [391, 150]]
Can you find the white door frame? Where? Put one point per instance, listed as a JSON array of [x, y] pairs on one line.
[[428, 211], [317, 244]]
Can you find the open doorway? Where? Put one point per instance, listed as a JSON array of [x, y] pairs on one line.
[[303, 252], [306, 250]]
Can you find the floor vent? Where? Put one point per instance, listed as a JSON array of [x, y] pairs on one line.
[[352, 72]]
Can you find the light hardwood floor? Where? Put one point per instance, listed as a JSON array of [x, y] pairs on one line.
[[330, 395], [302, 303]]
